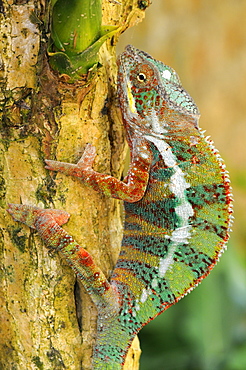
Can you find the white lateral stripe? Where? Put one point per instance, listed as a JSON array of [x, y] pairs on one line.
[[184, 210], [166, 262], [157, 128]]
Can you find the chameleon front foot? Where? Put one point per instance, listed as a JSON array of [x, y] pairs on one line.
[[84, 164], [29, 215]]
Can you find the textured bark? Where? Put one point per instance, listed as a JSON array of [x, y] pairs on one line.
[[47, 320]]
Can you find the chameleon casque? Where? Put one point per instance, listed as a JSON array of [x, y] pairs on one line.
[[177, 201]]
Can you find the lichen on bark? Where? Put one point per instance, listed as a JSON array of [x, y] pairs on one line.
[[47, 320]]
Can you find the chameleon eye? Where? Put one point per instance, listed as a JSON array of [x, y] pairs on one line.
[[141, 77]]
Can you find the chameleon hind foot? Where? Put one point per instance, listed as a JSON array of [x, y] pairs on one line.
[[29, 215]]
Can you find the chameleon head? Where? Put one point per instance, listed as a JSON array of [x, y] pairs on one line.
[[151, 96]]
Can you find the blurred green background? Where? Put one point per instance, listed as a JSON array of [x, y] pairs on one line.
[[205, 42]]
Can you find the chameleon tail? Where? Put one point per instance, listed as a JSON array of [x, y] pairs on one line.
[[112, 344]]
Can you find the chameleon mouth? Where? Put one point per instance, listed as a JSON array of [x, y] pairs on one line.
[[124, 84]]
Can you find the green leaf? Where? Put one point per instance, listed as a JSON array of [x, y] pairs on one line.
[[77, 35], [76, 24], [77, 65]]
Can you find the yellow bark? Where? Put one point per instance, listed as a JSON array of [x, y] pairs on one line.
[[47, 320]]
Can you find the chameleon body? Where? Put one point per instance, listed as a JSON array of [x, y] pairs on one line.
[[177, 201]]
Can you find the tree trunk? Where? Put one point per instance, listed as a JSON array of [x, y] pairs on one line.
[[47, 320]]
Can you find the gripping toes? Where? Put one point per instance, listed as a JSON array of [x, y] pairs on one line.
[[88, 156], [85, 163], [23, 213], [29, 215]]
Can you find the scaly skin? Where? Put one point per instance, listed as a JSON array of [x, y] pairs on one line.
[[177, 201]]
